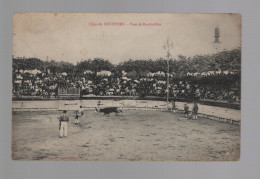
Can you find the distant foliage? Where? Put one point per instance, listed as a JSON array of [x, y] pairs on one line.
[[96, 65], [225, 60]]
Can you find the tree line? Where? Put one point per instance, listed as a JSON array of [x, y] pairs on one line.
[[224, 60]]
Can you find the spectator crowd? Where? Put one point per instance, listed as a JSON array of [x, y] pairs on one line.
[[223, 87], [210, 77]]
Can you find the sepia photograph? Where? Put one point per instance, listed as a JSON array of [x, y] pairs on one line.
[[126, 87]]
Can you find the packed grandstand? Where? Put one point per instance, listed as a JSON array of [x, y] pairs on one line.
[[209, 77]]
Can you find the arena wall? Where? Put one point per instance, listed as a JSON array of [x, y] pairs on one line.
[[220, 114]]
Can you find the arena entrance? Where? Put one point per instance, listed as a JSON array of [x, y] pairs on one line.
[[69, 93]]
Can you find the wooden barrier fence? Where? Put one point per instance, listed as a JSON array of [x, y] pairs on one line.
[[145, 108]]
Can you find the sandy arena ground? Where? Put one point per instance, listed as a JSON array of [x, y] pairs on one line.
[[130, 136]]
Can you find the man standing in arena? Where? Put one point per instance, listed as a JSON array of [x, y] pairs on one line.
[[79, 113], [186, 110], [195, 111], [98, 104], [63, 126], [173, 106]]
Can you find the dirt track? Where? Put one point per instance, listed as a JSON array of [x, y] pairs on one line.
[[130, 136]]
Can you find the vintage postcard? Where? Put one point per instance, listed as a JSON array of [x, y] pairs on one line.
[[126, 87]]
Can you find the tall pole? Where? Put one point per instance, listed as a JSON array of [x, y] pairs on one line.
[[167, 46], [44, 64], [168, 84]]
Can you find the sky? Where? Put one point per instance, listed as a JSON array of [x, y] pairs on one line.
[[118, 37]]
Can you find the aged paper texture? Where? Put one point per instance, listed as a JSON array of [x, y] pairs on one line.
[[126, 87]]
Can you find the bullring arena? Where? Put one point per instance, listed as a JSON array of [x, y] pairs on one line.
[[145, 131]]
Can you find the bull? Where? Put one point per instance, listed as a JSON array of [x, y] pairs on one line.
[[109, 110]]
